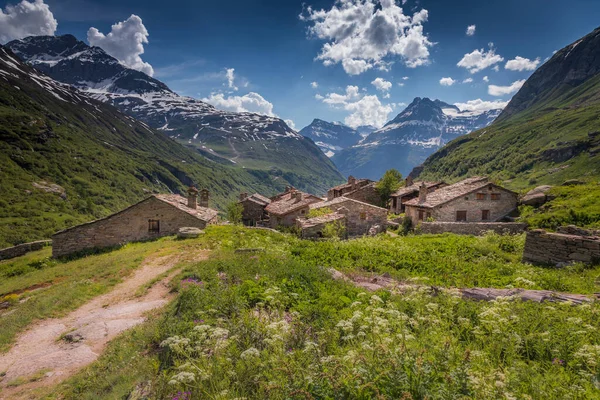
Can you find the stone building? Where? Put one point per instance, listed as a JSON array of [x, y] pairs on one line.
[[313, 227], [471, 200], [366, 194], [359, 218], [410, 191], [253, 208], [286, 207], [352, 185], [156, 216]]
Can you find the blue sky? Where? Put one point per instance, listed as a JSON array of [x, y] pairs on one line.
[[273, 52]]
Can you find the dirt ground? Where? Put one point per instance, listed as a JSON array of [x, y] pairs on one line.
[[56, 349]]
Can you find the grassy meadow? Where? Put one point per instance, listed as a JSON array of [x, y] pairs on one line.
[[274, 324]]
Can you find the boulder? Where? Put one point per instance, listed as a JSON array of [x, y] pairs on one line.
[[189, 232], [536, 197]]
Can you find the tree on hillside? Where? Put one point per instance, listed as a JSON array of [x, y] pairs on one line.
[[388, 184], [234, 212]]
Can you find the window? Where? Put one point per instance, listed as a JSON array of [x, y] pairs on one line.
[[495, 196], [480, 196], [153, 226], [485, 215], [303, 211], [461, 216], [363, 215], [421, 215]]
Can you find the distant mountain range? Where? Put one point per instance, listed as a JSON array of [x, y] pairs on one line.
[[331, 137], [406, 141], [548, 133], [252, 141]]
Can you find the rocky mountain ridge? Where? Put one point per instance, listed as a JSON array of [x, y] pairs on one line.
[[332, 137]]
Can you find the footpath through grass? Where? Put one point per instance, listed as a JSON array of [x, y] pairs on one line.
[[274, 324]]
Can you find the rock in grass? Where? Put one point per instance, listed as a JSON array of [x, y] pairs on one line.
[[189, 232], [537, 196]]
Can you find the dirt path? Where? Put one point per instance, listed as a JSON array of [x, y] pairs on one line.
[[55, 349]]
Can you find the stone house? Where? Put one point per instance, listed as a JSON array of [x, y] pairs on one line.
[[471, 200], [253, 208], [286, 207], [156, 216], [352, 185], [313, 227], [410, 191], [360, 218], [366, 194]]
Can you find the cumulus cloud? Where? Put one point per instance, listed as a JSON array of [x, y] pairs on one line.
[[447, 81], [314, 85], [381, 84], [290, 123], [471, 30], [364, 110], [125, 42], [486, 79], [230, 76], [468, 80], [26, 19], [405, 78], [319, 97], [522, 64], [251, 102], [502, 90], [481, 105], [360, 34], [478, 60]]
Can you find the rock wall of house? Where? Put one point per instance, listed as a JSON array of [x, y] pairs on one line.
[[22, 249], [128, 225], [367, 194], [287, 220], [471, 228], [252, 212], [543, 247], [360, 218]]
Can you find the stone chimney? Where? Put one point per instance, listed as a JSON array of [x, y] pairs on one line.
[[243, 196], [422, 193], [192, 197], [409, 181], [298, 196], [352, 181], [204, 196]]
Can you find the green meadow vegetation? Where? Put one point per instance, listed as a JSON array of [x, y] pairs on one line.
[[274, 324]]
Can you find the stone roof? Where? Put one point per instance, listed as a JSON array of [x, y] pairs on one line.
[[287, 203], [451, 192], [358, 182], [341, 200], [403, 191], [320, 220], [203, 213], [258, 199]]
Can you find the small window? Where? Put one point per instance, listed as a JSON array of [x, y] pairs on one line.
[[363, 215], [466, 197], [303, 211], [485, 215], [480, 196], [461, 216], [495, 196], [421, 215], [153, 226]]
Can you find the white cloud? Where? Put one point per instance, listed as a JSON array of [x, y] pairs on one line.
[[386, 96], [229, 74], [486, 79], [290, 123], [478, 60], [502, 90], [26, 19], [400, 84], [251, 102], [405, 78], [447, 81], [125, 42], [319, 97], [354, 67], [481, 105], [314, 85], [496, 68], [522, 64], [364, 110], [468, 80], [471, 30], [368, 31], [381, 84]]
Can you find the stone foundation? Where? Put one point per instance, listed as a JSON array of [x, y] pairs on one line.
[[22, 249], [472, 228], [543, 247]]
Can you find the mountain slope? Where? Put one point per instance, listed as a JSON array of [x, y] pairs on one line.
[[549, 132], [331, 137], [406, 141], [67, 158], [247, 140]]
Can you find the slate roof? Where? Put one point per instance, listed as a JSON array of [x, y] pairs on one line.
[[346, 185], [323, 219], [287, 203], [403, 191], [451, 192], [340, 200], [258, 199], [180, 202]]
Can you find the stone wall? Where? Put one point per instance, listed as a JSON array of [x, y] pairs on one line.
[[543, 247], [22, 249], [471, 228], [367, 194], [360, 218], [131, 224], [288, 219], [252, 212]]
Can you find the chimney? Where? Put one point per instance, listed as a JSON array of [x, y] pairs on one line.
[[422, 193], [192, 197], [351, 180], [409, 181], [298, 196], [204, 195], [243, 196]]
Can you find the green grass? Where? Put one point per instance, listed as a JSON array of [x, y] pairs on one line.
[[275, 325]]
